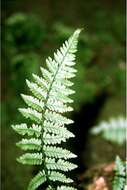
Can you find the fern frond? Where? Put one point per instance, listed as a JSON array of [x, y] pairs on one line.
[[61, 88], [56, 105], [37, 91], [120, 174], [114, 130], [57, 118], [31, 159], [57, 129], [65, 188], [61, 97], [33, 102], [57, 176], [53, 139], [30, 144], [49, 101], [62, 165], [47, 75], [41, 82], [57, 152], [32, 114], [23, 129], [37, 181]]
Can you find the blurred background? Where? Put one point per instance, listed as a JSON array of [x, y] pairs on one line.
[[31, 31]]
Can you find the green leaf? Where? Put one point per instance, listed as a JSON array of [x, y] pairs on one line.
[[55, 105], [31, 113], [30, 159], [37, 181], [47, 75], [119, 179], [58, 152], [53, 139], [30, 144], [22, 129], [65, 188], [57, 176], [46, 106], [60, 96], [114, 130], [36, 90], [57, 129], [60, 164], [56, 118], [33, 102], [41, 82]]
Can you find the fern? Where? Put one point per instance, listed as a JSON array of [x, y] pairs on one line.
[[114, 130], [45, 109], [120, 175]]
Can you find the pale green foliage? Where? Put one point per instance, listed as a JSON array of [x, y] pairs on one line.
[[120, 174], [46, 105], [37, 180], [62, 188], [114, 130], [58, 152], [65, 188]]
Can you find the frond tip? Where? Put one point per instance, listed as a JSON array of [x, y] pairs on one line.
[[46, 127]]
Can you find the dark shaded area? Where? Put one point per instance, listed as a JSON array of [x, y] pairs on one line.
[[84, 120]]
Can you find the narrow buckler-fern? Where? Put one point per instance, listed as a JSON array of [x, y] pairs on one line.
[[46, 130]]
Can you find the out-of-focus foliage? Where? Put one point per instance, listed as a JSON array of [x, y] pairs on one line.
[[101, 62], [22, 67], [114, 130], [24, 31], [120, 174], [24, 35]]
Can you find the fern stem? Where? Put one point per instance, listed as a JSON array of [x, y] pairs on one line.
[[46, 107], [44, 110]]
